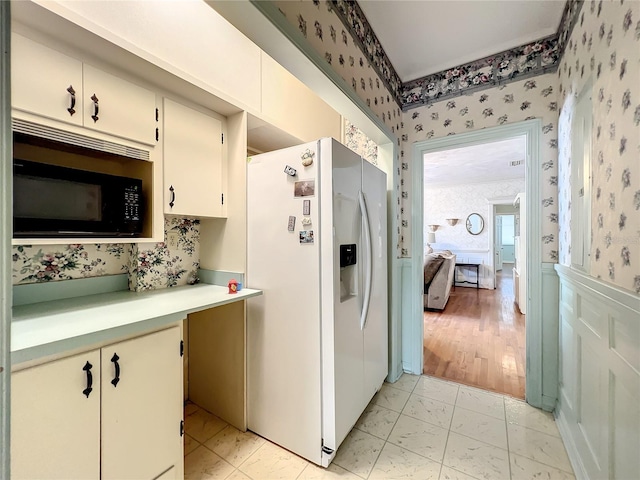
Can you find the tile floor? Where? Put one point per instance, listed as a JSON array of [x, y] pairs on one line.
[[417, 428]]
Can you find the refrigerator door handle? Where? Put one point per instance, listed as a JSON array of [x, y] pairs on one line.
[[368, 263]]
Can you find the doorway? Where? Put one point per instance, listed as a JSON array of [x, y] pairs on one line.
[[477, 335], [413, 322]]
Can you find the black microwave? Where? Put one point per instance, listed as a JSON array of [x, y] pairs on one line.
[[57, 202]]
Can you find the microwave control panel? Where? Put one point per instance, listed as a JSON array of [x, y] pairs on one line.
[[132, 203]]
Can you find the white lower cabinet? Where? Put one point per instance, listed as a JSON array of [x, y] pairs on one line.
[[55, 420], [124, 429]]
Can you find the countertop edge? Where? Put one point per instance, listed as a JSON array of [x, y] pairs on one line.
[[37, 336]]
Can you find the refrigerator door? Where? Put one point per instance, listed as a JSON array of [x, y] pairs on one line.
[[283, 325], [342, 340], [374, 188]]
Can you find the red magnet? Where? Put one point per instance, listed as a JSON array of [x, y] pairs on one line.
[[233, 286]]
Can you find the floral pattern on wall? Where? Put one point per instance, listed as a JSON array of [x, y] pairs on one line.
[[515, 102], [49, 263], [322, 26], [154, 266], [358, 141], [517, 63], [604, 47]]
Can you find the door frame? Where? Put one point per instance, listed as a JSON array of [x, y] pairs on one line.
[[532, 130], [6, 170]]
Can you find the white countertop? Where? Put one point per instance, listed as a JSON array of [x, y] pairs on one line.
[[51, 327]]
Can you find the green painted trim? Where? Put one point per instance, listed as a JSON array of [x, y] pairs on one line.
[[534, 325], [6, 200], [80, 287], [219, 277], [550, 336]]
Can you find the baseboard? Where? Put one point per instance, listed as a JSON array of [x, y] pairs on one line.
[[572, 451]]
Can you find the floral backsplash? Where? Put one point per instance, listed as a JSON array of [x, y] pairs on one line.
[[604, 48], [155, 265], [48, 263], [149, 265]]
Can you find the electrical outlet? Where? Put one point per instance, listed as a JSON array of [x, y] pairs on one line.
[[172, 239]]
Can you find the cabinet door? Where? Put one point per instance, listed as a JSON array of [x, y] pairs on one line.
[[141, 412], [193, 173], [124, 109], [55, 427], [40, 78]]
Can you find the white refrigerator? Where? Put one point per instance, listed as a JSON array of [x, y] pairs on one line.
[[317, 343]]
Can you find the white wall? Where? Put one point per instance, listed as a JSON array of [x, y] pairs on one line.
[[458, 201]]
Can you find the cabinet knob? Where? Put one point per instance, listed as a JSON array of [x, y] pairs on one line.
[[87, 368], [94, 99], [71, 108]]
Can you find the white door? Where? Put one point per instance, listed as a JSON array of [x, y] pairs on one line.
[[342, 338], [55, 419], [193, 173], [498, 243], [374, 187], [42, 81], [142, 410]]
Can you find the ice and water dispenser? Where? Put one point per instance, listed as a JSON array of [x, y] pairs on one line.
[[348, 258]]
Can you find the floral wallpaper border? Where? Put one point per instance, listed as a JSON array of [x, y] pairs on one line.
[[354, 19], [525, 61], [517, 63]]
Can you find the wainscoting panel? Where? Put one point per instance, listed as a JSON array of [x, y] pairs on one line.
[[598, 408]]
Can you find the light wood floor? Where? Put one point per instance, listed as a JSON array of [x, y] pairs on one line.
[[478, 339]]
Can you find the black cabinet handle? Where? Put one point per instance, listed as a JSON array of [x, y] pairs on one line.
[[72, 92], [95, 108], [173, 196], [87, 368], [116, 379]]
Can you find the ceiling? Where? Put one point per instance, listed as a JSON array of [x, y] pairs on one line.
[[476, 164], [422, 37]]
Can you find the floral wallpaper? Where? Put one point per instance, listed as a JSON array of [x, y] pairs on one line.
[[321, 23], [522, 62], [514, 102], [156, 265], [149, 265], [48, 263], [358, 141], [604, 47]]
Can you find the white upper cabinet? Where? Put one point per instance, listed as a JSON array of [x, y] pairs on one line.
[[118, 107], [291, 106], [51, 84], [42, 81], [194, 173]]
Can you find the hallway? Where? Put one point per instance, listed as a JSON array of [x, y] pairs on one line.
[[479, 339]]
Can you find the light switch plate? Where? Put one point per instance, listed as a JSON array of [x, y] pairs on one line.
[[172, 239]]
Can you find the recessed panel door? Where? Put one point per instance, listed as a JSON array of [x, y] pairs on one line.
[[55, 420], [142, 406]]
